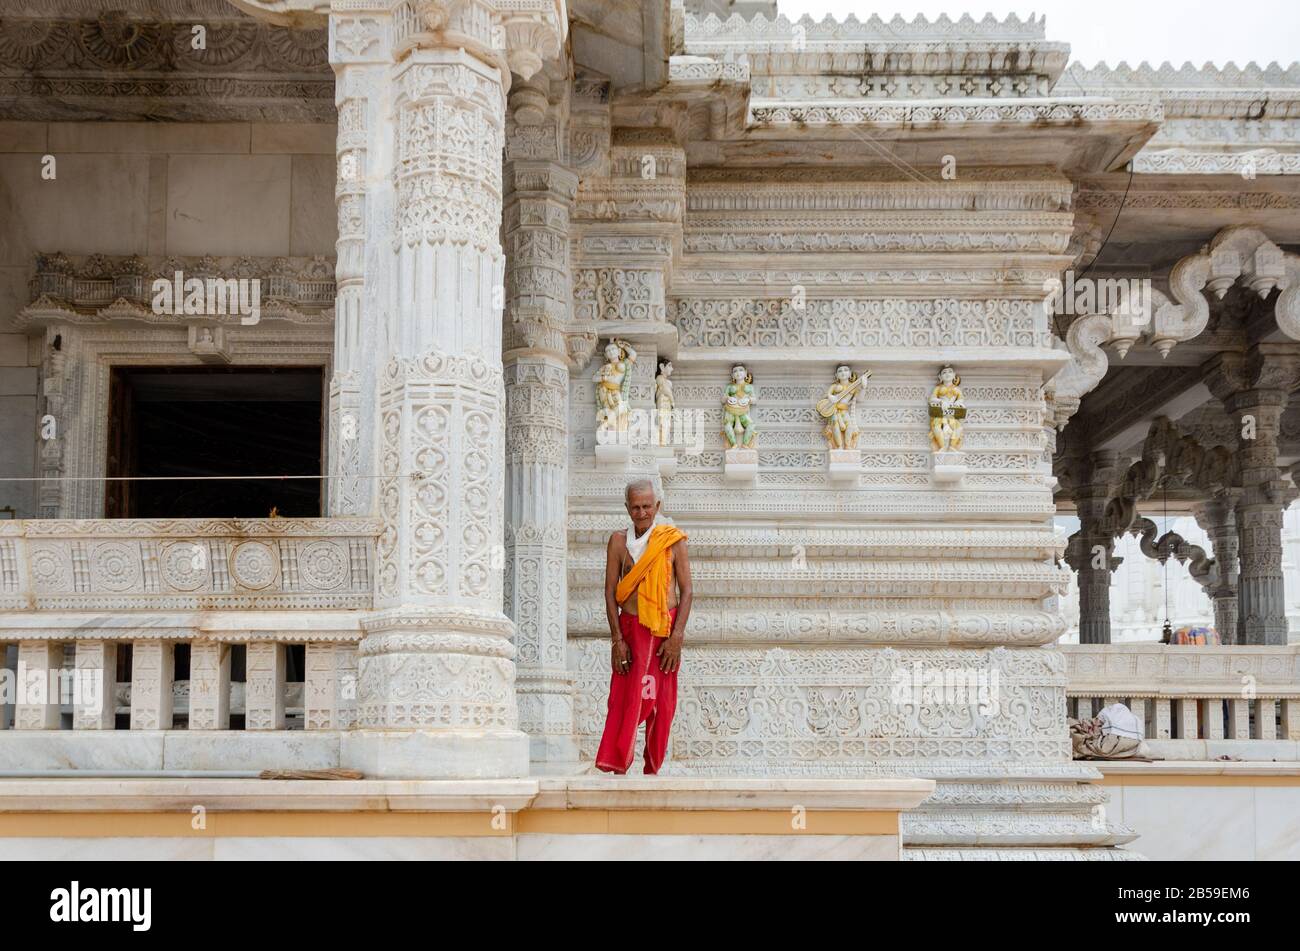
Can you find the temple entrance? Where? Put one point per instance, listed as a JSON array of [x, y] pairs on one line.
[[177, 424]]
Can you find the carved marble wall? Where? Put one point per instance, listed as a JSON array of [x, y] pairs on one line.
[[812, 597]]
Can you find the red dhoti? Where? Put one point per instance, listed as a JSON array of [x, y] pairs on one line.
[[645, 694]]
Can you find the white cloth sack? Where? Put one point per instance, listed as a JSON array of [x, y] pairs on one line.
[[1119, 720]]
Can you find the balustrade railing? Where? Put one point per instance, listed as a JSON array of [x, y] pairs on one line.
[[137, 624], [1189, 693], [91, 684]]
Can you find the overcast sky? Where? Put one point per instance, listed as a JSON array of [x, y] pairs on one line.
[[1115, 30]]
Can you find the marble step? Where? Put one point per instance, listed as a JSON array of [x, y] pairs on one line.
[[932, 854]]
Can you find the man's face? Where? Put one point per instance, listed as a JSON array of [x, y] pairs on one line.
[[642, 506]]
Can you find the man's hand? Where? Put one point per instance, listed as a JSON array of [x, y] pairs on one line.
[[670, 653], [620, 657]]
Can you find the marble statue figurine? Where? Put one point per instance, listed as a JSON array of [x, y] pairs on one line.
[[947, 412], [664, 402], [836, 407], [737, 401], [613, 380]]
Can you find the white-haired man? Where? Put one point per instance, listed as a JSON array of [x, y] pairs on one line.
[[648, 601]]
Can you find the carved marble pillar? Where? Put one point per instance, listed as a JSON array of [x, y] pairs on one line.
[[53, 441], [1254, 388], [37, 706], [209, 686], [1216, 516], [539, 196], [153, 668], [264, 686], [329, 686], [363, 196], [1091, 550], [422, 99], [94, 706]]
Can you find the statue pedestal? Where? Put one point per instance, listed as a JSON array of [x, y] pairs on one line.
[[666, 459], [949, 467], [612, 455], [740, 465], [209, 344], [1049, 477], [843, 465]]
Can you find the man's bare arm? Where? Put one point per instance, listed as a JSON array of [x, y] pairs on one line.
[[682, 568], [612, 560], [620, 655], [670, 651]]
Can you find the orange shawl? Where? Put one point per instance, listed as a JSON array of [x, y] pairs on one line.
[[650, 578]]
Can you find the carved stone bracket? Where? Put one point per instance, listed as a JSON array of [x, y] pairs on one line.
[[1239, 254], [1204, 569]]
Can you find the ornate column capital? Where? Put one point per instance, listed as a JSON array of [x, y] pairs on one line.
[[519, 35], [1263, 375]]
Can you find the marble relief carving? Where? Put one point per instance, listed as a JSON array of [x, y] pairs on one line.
[[141, 564]]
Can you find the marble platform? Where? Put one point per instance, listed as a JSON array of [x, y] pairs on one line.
[[555, 818]]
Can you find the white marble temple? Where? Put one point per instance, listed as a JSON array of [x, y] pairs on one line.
[[460, 302]]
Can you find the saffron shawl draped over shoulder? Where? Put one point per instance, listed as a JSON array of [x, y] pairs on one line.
[[650, 577]]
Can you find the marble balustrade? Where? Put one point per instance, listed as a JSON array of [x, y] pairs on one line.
[[1195, 702]]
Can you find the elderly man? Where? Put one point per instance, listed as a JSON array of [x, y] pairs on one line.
[[648, 600]]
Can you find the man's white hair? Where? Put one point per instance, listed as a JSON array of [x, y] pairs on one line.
[[638, 485]]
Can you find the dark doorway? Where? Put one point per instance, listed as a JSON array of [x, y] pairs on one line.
[[176, 422]]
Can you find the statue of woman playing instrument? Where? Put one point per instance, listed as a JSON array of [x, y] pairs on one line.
[[836, 408]]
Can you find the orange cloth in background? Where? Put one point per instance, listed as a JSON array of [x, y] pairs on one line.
[[650, 578]]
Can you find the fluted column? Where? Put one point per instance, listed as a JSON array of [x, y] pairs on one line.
[[539, 197], [1254, 388], [1216, 516], [1091, 551], [422, 88]]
